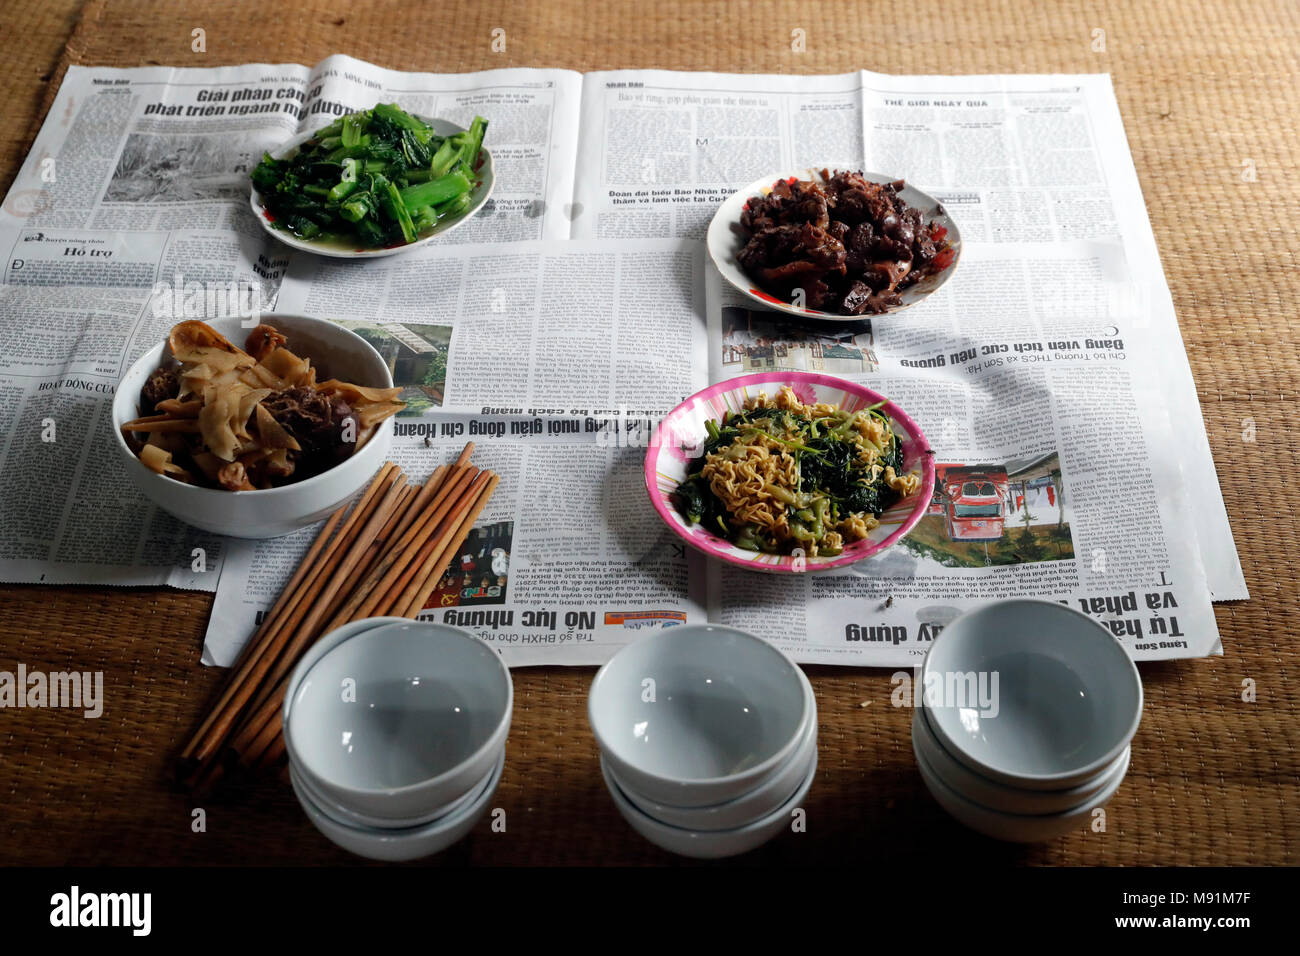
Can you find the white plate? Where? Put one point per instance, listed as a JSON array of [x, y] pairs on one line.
[[478, 196], [725, 239]]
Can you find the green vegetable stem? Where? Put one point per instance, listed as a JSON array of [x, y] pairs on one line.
[[380, 177]]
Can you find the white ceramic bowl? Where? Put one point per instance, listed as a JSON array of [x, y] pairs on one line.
[[1068, 698], [350, 818], [399, 720], [338, 353], [754, 805], [478, 197], [407, 844], [698, 714], [725, 239], [710, 844], [999, 796], [1016, 828]]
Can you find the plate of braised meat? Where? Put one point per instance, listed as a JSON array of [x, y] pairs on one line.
[[834, 244]]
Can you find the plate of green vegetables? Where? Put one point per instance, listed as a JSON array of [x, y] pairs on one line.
[[373, 183]]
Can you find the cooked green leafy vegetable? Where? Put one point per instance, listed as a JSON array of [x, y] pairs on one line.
[[377, 178], [781, 475]]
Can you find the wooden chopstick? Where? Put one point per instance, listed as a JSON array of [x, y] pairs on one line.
[[249, 674], [411, 599], [195, 752], [384, 555]]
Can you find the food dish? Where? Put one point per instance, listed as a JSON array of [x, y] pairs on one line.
[[405, 180], [834, 246], [675, 455], [850, 244], [781, 475], [266, 513], [248, 419]]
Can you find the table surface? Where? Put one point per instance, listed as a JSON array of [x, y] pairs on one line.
[[1204, 90]]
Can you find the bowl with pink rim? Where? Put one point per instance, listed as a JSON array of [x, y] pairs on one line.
[[680, 438]]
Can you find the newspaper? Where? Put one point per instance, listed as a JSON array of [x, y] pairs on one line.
[[1015, 158], [1053, 448], [579, 306], [553, 353], [132, 203]]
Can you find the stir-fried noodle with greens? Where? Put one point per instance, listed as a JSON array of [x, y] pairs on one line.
[[782, 475]]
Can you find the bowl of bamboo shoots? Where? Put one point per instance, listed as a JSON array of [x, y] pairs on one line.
[[231, 447]]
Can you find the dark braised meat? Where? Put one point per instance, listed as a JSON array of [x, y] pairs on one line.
[[851, 245], [306, 414], [163, 384], [315, 420]]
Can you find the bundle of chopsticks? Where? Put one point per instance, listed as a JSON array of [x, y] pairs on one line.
[[382, 556]]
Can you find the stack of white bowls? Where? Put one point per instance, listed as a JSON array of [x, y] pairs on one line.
[[708, 738], [396, 735], [1029, 709]]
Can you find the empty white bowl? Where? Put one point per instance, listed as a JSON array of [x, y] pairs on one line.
[[266, 513], [1016, 828], [697, 715], [1068, 697], [403, 844], [348, 817], [999, 796], [396, 721], [745, 809], [710, 844]]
